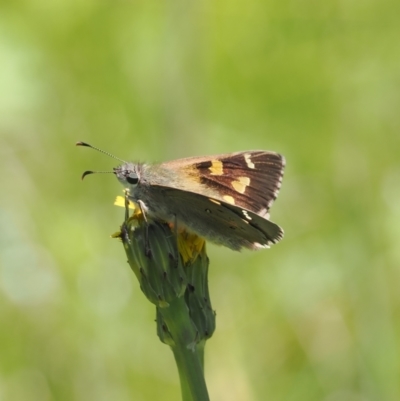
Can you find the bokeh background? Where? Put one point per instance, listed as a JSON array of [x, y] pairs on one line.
[[315, 317]]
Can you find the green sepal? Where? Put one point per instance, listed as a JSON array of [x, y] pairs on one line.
[[197, 297], [151, 248]]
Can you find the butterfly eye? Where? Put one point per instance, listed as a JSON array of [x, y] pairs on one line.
[[132, 179]]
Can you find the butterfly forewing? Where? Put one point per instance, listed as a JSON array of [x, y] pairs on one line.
[[250, 180]]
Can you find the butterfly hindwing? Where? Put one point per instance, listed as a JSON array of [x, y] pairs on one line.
[[218, 221]]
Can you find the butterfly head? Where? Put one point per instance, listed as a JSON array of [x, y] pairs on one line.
[[128, 175]]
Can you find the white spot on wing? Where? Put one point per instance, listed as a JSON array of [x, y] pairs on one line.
[[246, 214], [256, 245], [214, 201], [247, 159]]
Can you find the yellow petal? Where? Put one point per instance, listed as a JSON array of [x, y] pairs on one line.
[[120, 201], [189, 245]]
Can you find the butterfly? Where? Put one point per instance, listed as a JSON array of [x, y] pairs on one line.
[[223, 198]]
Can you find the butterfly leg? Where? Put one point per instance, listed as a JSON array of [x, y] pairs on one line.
[[126, 206], [147, 249]]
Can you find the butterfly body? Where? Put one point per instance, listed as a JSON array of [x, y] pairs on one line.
[[223, 198]]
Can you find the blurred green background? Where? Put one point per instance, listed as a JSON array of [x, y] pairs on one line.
[[316, 317]]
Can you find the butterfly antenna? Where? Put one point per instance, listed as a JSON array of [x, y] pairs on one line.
[[99, 150], [95, 172]]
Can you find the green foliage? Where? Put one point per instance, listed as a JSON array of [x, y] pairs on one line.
[[314, 318]]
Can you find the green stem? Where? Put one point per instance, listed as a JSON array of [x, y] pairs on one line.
[[200, 352], [187, 356]]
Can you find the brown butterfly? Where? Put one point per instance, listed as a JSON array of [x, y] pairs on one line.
[[223, 198]]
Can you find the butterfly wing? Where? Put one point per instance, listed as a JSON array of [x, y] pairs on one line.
[[217, 221], [250, 180]]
